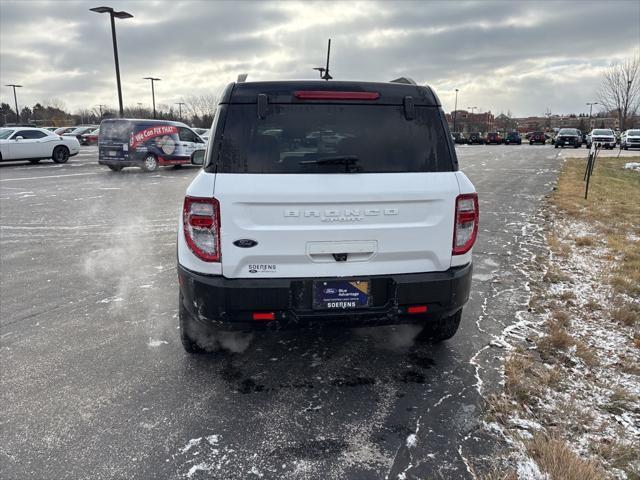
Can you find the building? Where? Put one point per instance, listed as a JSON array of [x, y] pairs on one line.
[[470, 122]]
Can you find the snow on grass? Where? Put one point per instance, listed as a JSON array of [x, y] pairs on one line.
[[573, 387]]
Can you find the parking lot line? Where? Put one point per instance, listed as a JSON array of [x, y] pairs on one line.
[[48, 176]]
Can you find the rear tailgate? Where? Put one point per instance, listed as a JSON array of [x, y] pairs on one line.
[[336, 225]]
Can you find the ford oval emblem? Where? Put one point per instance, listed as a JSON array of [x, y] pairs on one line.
[[245, 243]]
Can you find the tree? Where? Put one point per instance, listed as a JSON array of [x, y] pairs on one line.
[[6, 114], [620, 89], [26, 115], [201, 108]]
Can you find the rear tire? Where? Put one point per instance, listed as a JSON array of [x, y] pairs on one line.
[[115, 168], [187, 329], [150, 163], [441, 330], [60, 154]]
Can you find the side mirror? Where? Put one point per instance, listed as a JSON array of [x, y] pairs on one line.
[[197, 157], [18, 138]]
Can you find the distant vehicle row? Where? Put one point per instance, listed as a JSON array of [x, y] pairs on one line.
[[566, 137]]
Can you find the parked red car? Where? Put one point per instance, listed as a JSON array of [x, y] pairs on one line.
[[494, 137], [90, 138], [537, 137]]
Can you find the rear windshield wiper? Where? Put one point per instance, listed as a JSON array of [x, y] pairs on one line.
[[348, 161]]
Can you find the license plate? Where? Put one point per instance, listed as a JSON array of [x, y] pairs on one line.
[[566, 143], [340, 295], [112, 153]]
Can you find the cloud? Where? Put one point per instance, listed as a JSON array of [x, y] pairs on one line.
[[524, 57]]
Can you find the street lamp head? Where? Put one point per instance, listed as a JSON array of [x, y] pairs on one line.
[[112, 12], [13, 85], [153, 79], [122, 15]]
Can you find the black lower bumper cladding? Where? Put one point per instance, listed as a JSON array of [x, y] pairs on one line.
[[231, 303]]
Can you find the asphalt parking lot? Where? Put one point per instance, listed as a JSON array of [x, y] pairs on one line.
[[95, 383]]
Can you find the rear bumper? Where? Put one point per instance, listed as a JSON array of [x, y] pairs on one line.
[[230, 303]]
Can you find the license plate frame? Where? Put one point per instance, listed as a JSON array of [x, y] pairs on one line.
[[340, 295]]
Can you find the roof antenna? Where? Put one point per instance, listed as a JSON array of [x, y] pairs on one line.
[[324, 72]]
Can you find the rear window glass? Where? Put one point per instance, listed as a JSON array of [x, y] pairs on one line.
[[115, 131], [333, 139]]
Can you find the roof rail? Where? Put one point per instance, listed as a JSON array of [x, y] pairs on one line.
[[406, 80]]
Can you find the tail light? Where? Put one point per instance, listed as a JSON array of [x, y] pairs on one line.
[[201, 219], [465, 229]]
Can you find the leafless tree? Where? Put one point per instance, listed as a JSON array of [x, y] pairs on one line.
[[620, 89], [200, 105]]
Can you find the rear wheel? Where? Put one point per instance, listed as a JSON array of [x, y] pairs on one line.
[[441, 330], [188, 330], [115, 168], [150, 163], [60, 154]]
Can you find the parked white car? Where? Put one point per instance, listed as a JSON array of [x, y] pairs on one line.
[[630, 139], [35, 144], [604, 137]]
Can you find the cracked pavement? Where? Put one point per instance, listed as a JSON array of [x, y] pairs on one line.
[[95, 383]]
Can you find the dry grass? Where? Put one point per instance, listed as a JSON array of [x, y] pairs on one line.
[[584, 242], [554, 275], [612, 207], [618, 455], [587, 354], [629, 365], [555, 458], [518, 381], [567, 295], [555, 341], [627, 314]]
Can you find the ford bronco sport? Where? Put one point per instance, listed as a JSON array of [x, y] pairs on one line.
[[324, 203]]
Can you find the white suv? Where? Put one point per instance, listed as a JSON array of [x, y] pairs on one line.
[[323, 203]]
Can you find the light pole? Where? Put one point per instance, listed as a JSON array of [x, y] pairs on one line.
[[15, 99], [472, 109], [100, 105], [591, 104], [180, 109], [455, 112], [153, 93], [121, 15]]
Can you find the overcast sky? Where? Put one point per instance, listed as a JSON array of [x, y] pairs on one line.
[[519, 56]]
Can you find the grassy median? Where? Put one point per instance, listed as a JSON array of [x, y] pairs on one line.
[[613, 207], [570, 403]]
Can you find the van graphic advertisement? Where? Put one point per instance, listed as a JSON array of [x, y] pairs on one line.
[[161, 140]]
